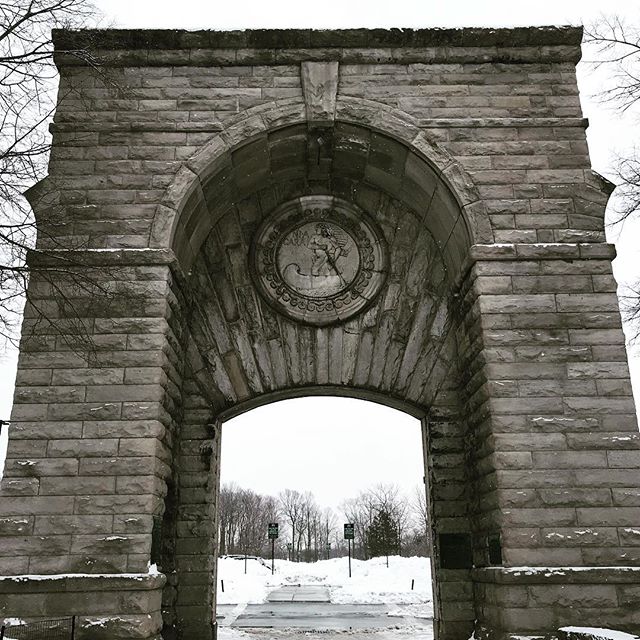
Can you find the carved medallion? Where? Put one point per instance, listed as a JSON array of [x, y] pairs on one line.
[[318, 259]]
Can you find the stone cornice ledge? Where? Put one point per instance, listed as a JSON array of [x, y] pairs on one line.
[[69, 582], [71, 258], [213, 127], [566, 251], [543, 251], [149, 47], [135, 127], [542, 121], [317, 38], [557, 575]]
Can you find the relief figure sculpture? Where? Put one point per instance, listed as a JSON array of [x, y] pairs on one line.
[[318, 259], [316, 266]]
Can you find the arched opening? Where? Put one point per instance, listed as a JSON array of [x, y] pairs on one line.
[[359, 207], [342, 159], [249, 350], [310, 465]]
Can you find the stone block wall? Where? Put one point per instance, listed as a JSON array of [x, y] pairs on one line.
[[117, 606], [562, 416], [91, 425], [512, 121], [553, 416]]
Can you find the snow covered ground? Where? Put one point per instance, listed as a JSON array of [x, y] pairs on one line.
[[598, 633], [409, 633], [371, 582]]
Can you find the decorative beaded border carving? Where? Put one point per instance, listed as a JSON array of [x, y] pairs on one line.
[[319, 260]]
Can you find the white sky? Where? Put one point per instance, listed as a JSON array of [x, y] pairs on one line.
[[330, 446], [256, 14], [327, 434]]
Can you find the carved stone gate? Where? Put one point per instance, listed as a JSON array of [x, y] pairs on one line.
[[233, 218]]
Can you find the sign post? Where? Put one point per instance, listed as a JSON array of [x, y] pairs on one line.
[[273, 534], [349, 534]]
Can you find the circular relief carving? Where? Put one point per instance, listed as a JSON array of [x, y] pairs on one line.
[[319, 259]]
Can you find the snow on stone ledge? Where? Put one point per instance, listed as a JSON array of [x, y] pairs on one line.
[[594, 633], [153, 571], [560, 571]]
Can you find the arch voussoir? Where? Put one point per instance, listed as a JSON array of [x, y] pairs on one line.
[[275, 115]]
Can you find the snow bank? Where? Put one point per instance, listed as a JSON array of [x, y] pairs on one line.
[[595, 633], [423, 610], [371, 582], [239, 588]]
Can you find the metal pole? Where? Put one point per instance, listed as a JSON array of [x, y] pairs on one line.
[[349, 557], [73, 627], [272, 549], [245, 563]]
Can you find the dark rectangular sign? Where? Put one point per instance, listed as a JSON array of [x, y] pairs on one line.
[[273, 530], [455, 551], [349, 531]]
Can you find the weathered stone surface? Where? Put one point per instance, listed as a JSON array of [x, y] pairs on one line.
[[320, 89]]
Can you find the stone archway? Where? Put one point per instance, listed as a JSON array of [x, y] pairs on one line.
[[397, 344], [497, 318]]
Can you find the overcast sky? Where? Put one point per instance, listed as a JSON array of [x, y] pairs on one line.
[[335, 447]]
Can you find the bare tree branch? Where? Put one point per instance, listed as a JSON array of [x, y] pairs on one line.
[[616, 43], [28, 79]]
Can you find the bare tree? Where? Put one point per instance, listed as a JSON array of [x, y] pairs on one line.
[[328, 530], [363, 510], [618, 50], [256, 511], [418, 542], [421, 510], [292, 507], [616, 46], [28, 79], [360, 511], [228, 518], [244, 516]]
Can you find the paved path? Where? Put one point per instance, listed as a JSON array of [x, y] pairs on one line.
[[307, 607], [401, 633], [299, 593], [313, 615]]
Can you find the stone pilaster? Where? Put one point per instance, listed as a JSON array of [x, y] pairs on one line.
[[90, 440], [556, 441]]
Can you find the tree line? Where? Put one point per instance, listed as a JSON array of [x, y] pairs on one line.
[[386, 522]]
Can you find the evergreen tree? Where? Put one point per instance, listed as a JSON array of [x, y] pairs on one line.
[[382, 535]]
